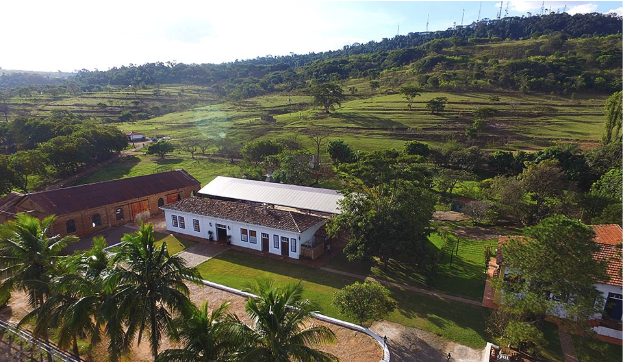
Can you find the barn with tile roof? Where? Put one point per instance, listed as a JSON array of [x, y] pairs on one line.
[[86, 209]]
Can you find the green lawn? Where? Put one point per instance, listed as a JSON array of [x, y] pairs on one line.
[[174, 244], [590, 349], [461, 275], [461, 323]]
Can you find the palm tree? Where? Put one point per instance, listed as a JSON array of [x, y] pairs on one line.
[[78, 299], [281, 330], [205, 337], [28, 256], [151, 288]]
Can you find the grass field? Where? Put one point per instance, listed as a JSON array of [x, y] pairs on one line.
[[461, 275], [202, 168], [459, 322]]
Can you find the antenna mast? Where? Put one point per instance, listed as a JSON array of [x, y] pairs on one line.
[[542, 7], [506, 12], [479, 7], [500, 12], [427, 17], [462, 16]]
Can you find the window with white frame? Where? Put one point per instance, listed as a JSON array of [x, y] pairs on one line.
[[182, 222], [244, 235], [196, 225], [174, 221], [293, 245], [253, 236], [276, 241]]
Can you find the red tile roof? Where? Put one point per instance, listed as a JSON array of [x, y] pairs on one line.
[[608, 237], [84, 197], [246, 213], [612, 255], [608, 234]]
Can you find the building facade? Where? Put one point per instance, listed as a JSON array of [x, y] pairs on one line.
[[255, 227], [86, 209]]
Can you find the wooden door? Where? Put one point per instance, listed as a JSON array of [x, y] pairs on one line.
[[265, 242]]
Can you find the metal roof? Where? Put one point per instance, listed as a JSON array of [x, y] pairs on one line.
[[300, 197]]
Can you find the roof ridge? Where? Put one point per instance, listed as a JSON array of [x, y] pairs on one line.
[[183, 172]]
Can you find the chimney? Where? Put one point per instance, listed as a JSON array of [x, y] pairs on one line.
[[264, 208]]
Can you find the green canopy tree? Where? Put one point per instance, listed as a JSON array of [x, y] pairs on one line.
[[160, 148], [281, 331], [536, 288], [410, 92], [327, 95], [437, 105], [391, 220], [364, 301], [612, 129], [340, 151]]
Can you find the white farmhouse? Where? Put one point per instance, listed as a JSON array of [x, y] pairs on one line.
[[248, 225]]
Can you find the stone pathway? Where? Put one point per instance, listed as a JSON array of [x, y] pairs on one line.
[[566, 343], [201, 252], [407, 287]]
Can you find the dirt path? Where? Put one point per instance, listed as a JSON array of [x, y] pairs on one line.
[[409, 344]]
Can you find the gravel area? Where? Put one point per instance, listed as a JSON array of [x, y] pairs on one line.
[[409, 344]]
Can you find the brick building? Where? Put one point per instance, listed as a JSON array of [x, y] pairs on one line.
[[86, 209]]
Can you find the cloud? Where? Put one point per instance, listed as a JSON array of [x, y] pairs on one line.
[[582, 9], [618, 11]]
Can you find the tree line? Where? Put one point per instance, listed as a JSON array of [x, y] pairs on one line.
[[60, 145]]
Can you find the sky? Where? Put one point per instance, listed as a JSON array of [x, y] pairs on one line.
[[69, 35]]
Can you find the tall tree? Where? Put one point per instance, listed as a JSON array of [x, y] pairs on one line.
[[78, 300], [386, 221], [612, 130], [552, 272], [281, 331], [340, 151], [410, 92], [151, 287], [437, 105], [160, 148], [327, 95], [28, 256]]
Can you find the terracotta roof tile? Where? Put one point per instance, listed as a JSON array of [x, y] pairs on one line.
[[608, 234], [612, 255], [247, 213], [84, 197], [608, 237]]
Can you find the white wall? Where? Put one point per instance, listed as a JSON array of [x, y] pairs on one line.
[[234, 230]]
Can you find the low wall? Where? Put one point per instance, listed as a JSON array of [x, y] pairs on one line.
[[321, 317]]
